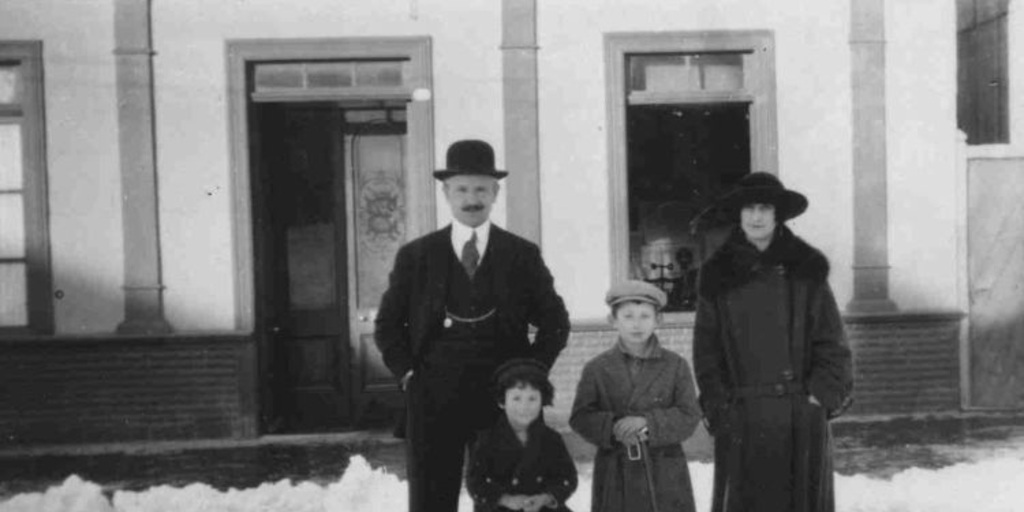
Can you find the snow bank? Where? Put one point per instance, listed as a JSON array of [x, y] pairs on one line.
[[995, 485]]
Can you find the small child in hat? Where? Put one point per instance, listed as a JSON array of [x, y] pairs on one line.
[[637, 403], [521, 463]]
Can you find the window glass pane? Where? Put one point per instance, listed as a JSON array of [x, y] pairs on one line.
[[12, 226], [9, 83], [680, 159], [686, 72], [278, 76], [13, 295], [10, 157], [659, 73], [329, 74], [379, 73], [722, 71]]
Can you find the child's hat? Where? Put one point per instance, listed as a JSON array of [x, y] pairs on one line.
[[636, 291], [520, 367]]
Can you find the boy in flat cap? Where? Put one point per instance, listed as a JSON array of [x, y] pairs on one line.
[[459, 303], [637, 403], [521, 463]]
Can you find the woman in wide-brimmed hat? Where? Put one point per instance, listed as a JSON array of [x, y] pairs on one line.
[[770, 356]]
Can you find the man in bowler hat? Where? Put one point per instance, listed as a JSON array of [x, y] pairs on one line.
[[459, 303]]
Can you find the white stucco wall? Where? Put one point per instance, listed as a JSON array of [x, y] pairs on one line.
[[83, 170], [192, 132], [921, 127], [813, 109], [812, 76]]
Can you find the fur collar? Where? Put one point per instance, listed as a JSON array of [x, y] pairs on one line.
[[738, 261]]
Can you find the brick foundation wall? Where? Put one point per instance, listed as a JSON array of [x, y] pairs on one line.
[[77, 390], [903, 363]]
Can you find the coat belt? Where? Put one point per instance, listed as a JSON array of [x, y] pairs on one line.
[[776, 389]]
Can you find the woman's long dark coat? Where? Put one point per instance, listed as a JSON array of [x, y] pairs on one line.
[[772, 445]]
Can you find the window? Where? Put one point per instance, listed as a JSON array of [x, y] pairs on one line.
[[24, 248], [689, 115], [982, 71]]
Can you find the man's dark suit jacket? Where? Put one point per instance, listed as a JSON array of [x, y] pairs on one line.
[[412, 311]]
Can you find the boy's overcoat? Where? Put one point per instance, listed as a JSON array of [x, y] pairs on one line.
[[662, 392]]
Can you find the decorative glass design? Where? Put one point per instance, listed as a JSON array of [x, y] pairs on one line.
[[378, 167]]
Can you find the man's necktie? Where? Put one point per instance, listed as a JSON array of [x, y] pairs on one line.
[[470, 256]]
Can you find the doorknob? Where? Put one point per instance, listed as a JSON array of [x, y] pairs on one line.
[[275, 329]]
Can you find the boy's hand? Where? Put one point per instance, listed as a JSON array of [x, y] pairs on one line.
[[628, 429], [513, 501]]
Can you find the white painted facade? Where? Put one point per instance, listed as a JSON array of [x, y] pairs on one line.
[[812, 71]]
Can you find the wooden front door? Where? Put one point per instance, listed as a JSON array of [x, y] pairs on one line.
[[996, 272], [333, 216], [302, 257], [332, 152]]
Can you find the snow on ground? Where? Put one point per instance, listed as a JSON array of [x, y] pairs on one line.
[[992, 485]]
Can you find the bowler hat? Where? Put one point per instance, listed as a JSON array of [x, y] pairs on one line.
[[636, 291], [474, 157], [759, 188]]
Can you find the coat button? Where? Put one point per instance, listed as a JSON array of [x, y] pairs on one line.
[[515, 481], [787, 375], [540, 479], [780, 389]]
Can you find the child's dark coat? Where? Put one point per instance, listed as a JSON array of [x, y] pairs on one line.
[[500, 464]]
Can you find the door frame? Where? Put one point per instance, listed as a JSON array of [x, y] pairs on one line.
[[420, 188]]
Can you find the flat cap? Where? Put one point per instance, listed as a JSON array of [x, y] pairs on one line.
[[636, 291]]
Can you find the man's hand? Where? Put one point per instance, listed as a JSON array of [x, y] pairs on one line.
[[629, 428], [813, 401]]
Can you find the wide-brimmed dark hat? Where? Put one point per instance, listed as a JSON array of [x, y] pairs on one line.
[[474, 157], [759, 188]]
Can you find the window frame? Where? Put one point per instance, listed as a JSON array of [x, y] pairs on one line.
[[31, 115], [758, 91]]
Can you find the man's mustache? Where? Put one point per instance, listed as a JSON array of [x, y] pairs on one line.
[[473, 207]]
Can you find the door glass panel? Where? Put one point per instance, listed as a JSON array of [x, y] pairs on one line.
[[12, 226], [279, 76], [307, 202], [9, 83], [380, 73], [13, 295], [10, 157], [330, 74], [311, 266], [378, 167]]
